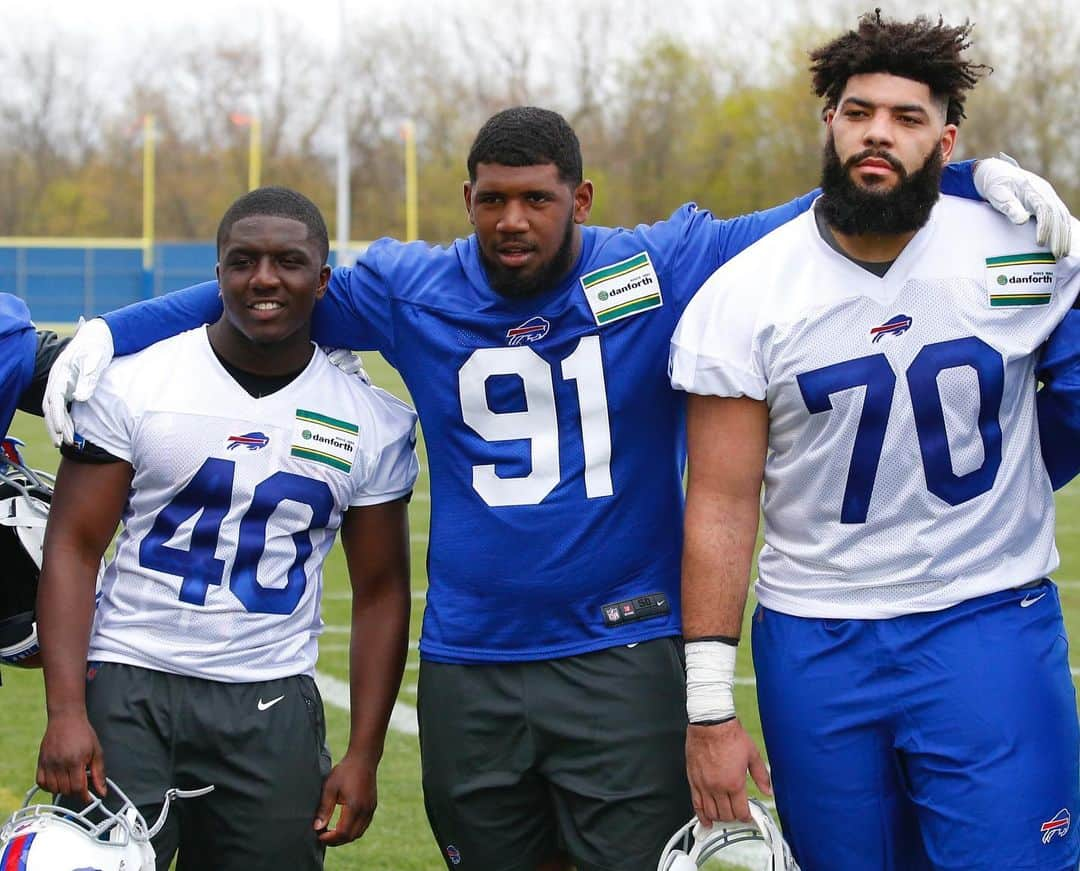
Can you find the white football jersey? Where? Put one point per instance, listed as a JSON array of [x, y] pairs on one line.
[[233, 507], [903, 471]]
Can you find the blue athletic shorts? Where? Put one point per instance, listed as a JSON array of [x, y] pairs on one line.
[[943, 740]]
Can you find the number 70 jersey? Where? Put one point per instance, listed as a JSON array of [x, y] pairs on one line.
[[233, 507], [903, 471]]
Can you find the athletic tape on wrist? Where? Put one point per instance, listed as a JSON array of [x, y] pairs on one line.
[[710, 681]]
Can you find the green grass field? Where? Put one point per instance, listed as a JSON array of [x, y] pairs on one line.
[[399, 839]]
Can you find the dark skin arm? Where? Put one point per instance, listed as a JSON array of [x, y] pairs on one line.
[[86, 509], [376, 542]]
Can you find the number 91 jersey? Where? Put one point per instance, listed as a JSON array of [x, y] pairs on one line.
[[903, 471], [234, 504]]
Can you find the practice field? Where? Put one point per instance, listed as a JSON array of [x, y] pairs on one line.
[[399, 839]]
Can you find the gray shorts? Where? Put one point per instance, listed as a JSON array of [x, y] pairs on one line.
[[584, 754], [262, 746]]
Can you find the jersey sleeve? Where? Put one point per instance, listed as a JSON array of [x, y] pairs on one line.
[[106, 420], [958, 180], [18, 341], [704, 242], [1058, 401], [356, 312], [394, 466], [715, 349], [49, 346], [141, 324]]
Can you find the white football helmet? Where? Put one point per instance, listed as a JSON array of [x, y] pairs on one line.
[[694, 844], [45, 837]]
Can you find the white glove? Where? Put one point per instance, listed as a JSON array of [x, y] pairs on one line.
[[1019, 194], [74, 375], [348, 362]]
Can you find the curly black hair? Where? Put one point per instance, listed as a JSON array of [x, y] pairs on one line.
[[921, 50], [526, 136]]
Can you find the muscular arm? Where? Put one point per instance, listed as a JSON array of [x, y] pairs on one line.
[[726, 440], [86, 508], [376, 542]]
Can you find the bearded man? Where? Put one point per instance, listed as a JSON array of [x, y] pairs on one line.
[[874, 363]]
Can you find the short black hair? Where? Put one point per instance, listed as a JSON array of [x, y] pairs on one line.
[[277, 202], [528, 136], [920, 50]]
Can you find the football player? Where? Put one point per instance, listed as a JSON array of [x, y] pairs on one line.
[[874, 362], [26, 354], [232, 454], [550, 698]]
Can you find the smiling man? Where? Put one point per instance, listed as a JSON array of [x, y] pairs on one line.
[[875, 364], [233, 454]]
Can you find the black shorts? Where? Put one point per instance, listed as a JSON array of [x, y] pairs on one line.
[[262, 746], [584, 754]]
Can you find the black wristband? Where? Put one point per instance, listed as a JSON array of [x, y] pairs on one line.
[[714, 722], [723, 639]]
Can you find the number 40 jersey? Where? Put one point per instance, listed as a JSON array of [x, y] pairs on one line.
[[234, 504], [903, 471]]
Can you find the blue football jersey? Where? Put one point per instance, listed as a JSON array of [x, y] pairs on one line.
[[555, 444], [18, 343]]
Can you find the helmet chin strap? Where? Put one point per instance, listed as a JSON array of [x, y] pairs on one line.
[[171, 794]]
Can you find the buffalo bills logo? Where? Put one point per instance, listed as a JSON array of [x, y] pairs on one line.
[[9, 451], [1058, 826], [533, 330], [895, 326], [250, 440]]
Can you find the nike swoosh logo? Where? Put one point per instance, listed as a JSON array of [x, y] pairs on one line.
[[1028, 602], [265, 706]]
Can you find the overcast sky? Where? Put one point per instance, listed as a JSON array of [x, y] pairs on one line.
[[101, 37], [116, 22]]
